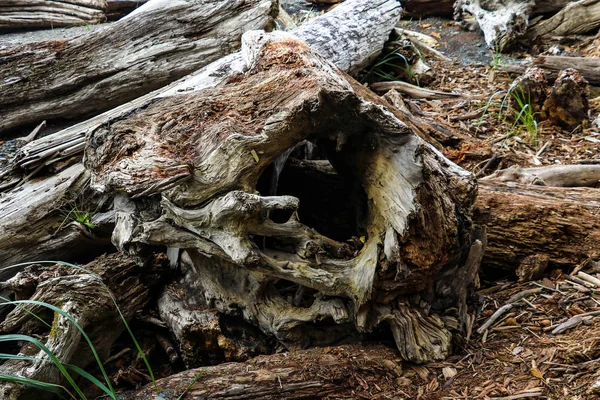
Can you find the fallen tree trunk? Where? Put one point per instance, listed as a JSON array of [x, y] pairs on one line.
[[500, 21], [35, 226], [94, 72], [588, 67], [578, 17], [335, 372], [205, 151], [28, 14], [528, 220]]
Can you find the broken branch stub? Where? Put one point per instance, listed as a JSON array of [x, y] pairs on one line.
[[187, 171]]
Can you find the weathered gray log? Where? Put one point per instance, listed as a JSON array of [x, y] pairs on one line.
[[88, 299], [501, 21], [204, 151], [578, 17], [367, 26], [334, 372], [528, 220], [28, 14], [54, 218], [110, 66], [588, 67]]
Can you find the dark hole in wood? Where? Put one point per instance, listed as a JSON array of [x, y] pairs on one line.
[[331, 203]]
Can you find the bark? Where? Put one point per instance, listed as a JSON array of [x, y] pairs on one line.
[[94, 72], [28, 14], [553, 65], [553, 175], [86, 297], [335, 372], [529, 221], [191, 183], [576, 18]]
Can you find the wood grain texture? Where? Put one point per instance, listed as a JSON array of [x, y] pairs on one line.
[[526, 220], [28, 14], [153, 46]]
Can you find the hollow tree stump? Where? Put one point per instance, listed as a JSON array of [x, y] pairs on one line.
[[185, 172]]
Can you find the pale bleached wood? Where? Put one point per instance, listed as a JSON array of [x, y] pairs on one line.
[[500, 21], [153, 46], [553, 175]]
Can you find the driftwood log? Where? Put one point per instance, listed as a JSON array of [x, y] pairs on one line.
[[577, 17], [102, 69], [334, 372], [27, 14], [88, 298], [525, 221], [35, 225], [194, 183]]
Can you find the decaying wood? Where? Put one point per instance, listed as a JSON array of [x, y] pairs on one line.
[[567, 103], [578, 17], [39, 220], [27, 14], [418, 92], [204, 153], [588, 67], [526, 220], [333, 372], [553, 175], [353, 48], [501, 21], [35, 211], [107, 67], [88, 298]]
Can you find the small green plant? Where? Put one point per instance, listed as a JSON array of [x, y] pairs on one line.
[[65, 369], [522, 118], [72, 213], [497, 55], [525, 119], [390, 62]]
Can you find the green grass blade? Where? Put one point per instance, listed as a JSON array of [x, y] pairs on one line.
[[190, 385], [137, 345], [41, 346], [47, 387], [70, 367], [70, 318]]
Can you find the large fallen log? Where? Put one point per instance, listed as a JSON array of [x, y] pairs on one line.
[[28, 14], [35, 229], [525, 221], [153, 46], [194, 182], [334, 372]]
